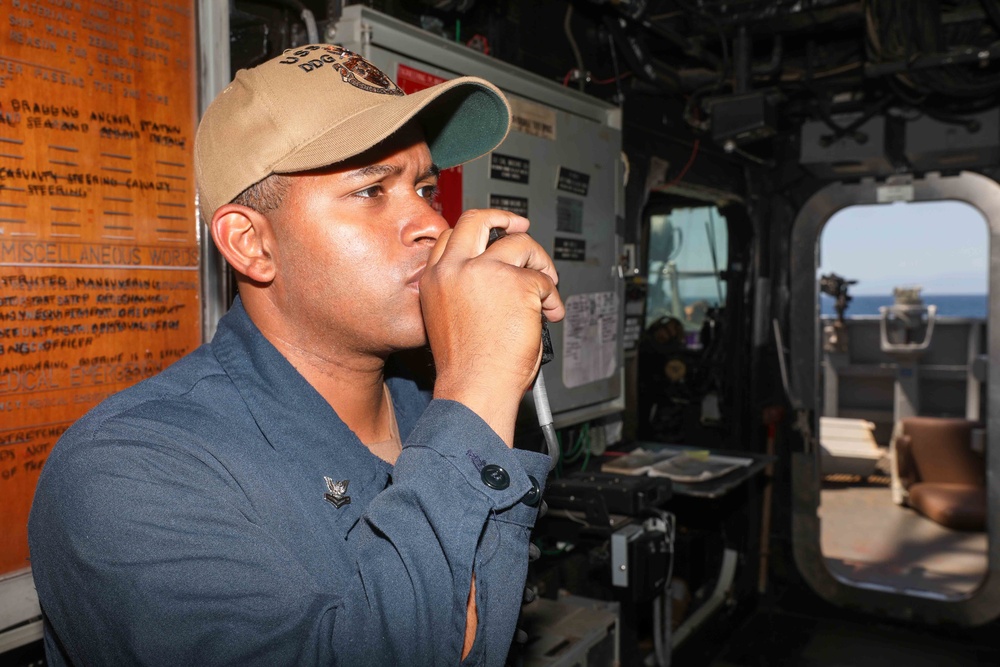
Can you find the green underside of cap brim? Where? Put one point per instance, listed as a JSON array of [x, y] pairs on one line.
[[463, 124]]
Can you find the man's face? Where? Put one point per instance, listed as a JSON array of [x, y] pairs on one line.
[[351, 244]]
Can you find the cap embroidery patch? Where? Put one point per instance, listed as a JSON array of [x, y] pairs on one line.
[[353, 69]]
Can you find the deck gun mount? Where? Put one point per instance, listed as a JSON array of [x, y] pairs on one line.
[[835, 334]]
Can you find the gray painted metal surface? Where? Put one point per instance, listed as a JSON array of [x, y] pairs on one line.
[[213, 76]]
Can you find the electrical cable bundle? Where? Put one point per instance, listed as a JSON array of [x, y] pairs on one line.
[[933, 56]]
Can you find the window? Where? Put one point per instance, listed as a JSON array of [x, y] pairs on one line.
[[688, 249]]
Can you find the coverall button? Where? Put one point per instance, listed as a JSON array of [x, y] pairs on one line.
[[495, 477], [534, 494]]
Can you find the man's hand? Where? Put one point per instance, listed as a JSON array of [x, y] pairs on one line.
[[483, 312]]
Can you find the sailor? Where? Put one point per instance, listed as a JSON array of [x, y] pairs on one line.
[[284, 495]]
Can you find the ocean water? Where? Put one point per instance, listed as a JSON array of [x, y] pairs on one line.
[[948, 305]]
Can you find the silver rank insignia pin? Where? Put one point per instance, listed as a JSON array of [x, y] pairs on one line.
[[337, 495]]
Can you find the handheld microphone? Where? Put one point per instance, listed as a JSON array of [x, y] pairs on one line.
[[538, 392]]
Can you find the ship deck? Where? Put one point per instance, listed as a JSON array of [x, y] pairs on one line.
[[868, 539]]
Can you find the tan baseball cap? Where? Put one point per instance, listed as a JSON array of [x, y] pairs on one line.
[[320, 104]]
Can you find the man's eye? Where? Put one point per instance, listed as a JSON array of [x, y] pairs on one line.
[[427, 192], [370, 192]]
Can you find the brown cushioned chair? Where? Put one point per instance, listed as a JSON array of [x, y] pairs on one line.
[[944, 478]]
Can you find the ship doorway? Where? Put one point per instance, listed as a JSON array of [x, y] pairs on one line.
[[903, 294], [867, 386]]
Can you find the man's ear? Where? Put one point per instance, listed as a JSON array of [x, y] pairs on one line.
[[245, 238]]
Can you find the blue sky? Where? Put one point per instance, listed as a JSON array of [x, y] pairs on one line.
[[942, 246]]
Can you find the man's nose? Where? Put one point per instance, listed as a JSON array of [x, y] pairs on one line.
[[424, 223]]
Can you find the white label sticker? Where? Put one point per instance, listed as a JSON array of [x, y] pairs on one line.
[[885, 194], [531, 118], [590, 338]]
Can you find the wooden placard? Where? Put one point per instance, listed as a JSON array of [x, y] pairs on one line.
[[99, 282]]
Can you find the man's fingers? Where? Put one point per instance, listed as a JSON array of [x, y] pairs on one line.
[[552, 305], [516, 252], [522, 251], [438, 249], [472, 231]]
